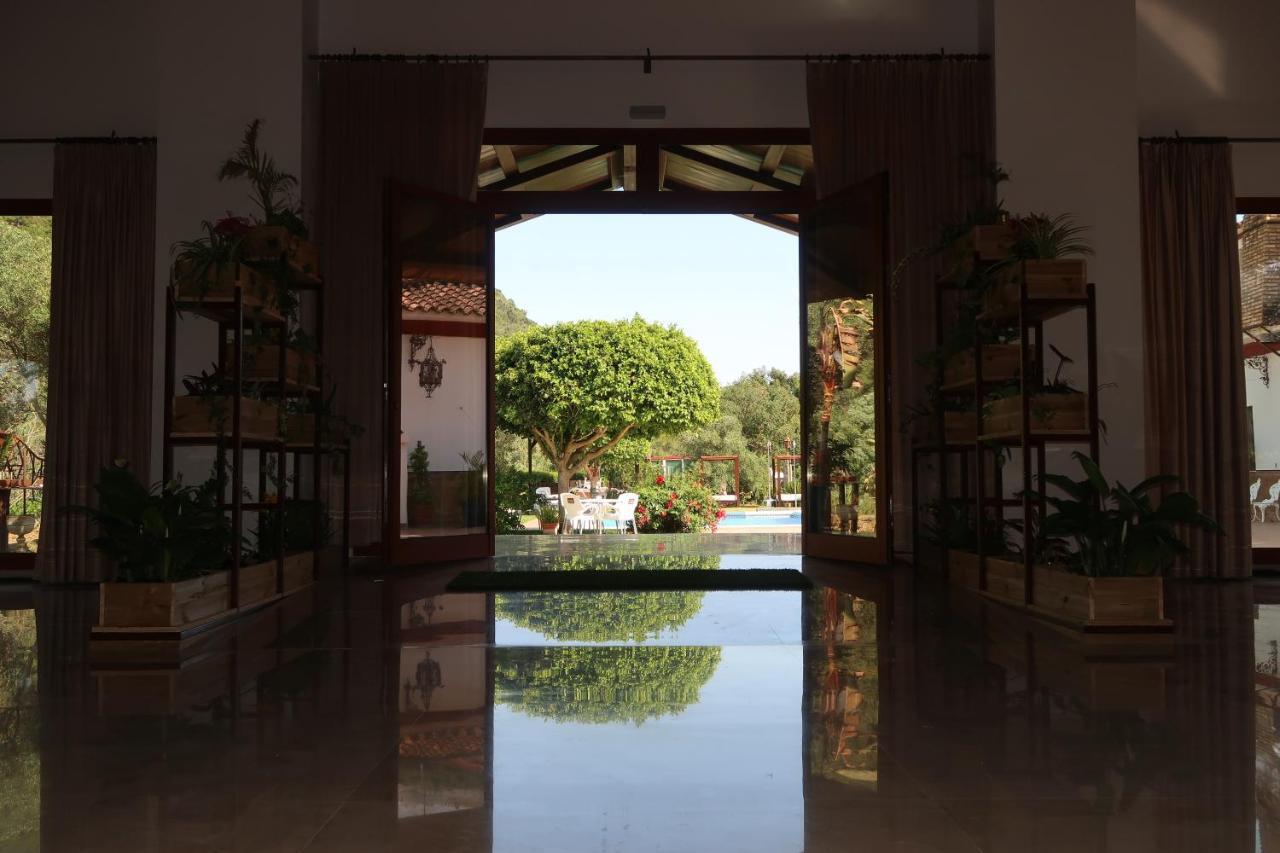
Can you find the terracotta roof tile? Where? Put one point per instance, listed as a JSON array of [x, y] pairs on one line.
[[443, 297]]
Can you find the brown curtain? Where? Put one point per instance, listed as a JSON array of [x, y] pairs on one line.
[[930, 125], [101, 347], [416, 122], [1191, 324]]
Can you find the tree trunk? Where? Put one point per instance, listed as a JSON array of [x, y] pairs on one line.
[[564, 475]]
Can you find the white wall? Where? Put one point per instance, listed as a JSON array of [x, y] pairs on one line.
[[1265, 401], [454, 420], [1066, 84]]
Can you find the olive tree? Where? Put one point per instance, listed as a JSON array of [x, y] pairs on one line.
[[580, 388]]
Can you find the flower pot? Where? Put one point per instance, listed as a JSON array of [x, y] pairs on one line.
[[274, 243], [1056, 413], [164, 605], [1064, 278], [1000, 362], [550, 526], [219, 284], [207, 416]]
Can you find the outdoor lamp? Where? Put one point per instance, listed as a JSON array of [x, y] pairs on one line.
[[430, 368]]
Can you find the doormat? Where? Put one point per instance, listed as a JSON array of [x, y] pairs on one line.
[[629, 580]]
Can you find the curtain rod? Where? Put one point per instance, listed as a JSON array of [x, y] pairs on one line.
[[647, 57], [53, 140], [1206, 140]]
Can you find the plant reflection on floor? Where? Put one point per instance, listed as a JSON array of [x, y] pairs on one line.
[[610, 684], [844, 745], [603, 684], [19, 730], [605, 617]]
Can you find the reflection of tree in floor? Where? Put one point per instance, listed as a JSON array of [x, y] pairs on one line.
[[844, 745], [19, 732]]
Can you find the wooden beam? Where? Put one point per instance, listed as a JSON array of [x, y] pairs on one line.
[[593, 153], [662, 169], [772, 159], [615, 170], [728, 168], [647, 168], [642, 135], [629, 168], [507, 160], [444, 328], [550, 201]]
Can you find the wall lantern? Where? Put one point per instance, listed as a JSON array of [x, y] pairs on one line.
[[430, 368]]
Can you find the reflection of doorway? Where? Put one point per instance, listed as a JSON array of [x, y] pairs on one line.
[[639, 172]]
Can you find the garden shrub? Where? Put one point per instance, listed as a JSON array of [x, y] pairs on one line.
[[677, 504]]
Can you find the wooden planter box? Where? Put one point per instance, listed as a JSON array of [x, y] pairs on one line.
[[962, 568], [273, 242], [1100, 602], [1049, 413], [257, 582], [220, 284], [195, 416], [1004, 577], [961, 427], [299, 570], [264, 364], [1057, 279], [989, 242], [164, 605], [999, 362]]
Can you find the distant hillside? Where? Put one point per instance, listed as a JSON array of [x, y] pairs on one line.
[[509, 317]]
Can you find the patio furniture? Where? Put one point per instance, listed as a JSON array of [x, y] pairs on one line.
[[792, 498], [622, 511], [1273, 497], [578, 516], [545, 496], [726, 500], [1253, 495]]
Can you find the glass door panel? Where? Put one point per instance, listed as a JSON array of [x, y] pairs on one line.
[[440, 360], [843, 333]]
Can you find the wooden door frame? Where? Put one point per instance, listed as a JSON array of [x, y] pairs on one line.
[[1267, 558]]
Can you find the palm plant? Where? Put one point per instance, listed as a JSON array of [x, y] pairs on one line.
[[195, 259], [272, 186], [1041, 237], [1117, 531]]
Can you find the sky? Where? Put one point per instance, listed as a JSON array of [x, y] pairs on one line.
[[729, 283]]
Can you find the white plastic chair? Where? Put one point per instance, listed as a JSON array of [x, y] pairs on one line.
[[1273, 497], [623, 512], [1253, 495], [577, 515], [545, 496]]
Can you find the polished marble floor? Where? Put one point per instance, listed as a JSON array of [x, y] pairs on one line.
[[878, 712]]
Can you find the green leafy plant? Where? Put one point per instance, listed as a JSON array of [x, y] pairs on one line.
[[418, 489], [162, 534], [1042, 237], [951, 524], [1103, 529], [221, 246], [272, 187], [547, 513]]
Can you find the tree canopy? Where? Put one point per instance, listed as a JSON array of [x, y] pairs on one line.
[[26, 250], [579, 388]]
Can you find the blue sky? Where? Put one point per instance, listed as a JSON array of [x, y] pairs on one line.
[[730, 284]]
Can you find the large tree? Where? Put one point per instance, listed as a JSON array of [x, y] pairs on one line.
[[26, 245], [580, 388]]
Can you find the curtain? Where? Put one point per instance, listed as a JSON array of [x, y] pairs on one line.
[[416, 122], [930, 125], [1194, 374], [101, 314]]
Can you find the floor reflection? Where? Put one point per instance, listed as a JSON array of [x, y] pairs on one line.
[[878, 713]]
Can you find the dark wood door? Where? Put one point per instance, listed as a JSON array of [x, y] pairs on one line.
[[440, 405], [844, 333]]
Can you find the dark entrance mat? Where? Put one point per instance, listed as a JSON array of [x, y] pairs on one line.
[[630, 580]]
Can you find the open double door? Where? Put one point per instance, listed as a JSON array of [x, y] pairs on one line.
[[439, 499]]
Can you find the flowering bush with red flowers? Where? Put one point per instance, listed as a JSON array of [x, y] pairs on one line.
[[677, 505]]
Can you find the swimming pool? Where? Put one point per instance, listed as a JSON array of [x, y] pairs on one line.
[[761, 519]]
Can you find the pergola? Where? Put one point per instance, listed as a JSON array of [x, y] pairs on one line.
[[737, 466]]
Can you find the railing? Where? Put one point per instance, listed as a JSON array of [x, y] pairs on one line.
[[20, 466]]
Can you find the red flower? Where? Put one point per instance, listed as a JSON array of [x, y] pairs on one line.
[[719, 514], [661, 481], [671, 503], [674, 496], [232, 226]]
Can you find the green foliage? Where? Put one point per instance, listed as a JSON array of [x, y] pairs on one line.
[[167, 533], [1116, 531], [766, 404], [508, 317], [272, 187], [580, 387], [951, 524], [1042, 237], [26, 262], [417, 487], [19, 731], [547, 513], [603, 684], [678, 504], [620, 464]]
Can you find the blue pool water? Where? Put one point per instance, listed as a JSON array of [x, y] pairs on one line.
[[760, 519]]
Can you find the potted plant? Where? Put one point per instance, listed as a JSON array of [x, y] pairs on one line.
[[418, 488], [476, 506], [207, 408], [1106, 546], [951, 524], [279, 234], [1041, 255], [548, 517], [209, 269], [169, 544], [1056, 406]]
